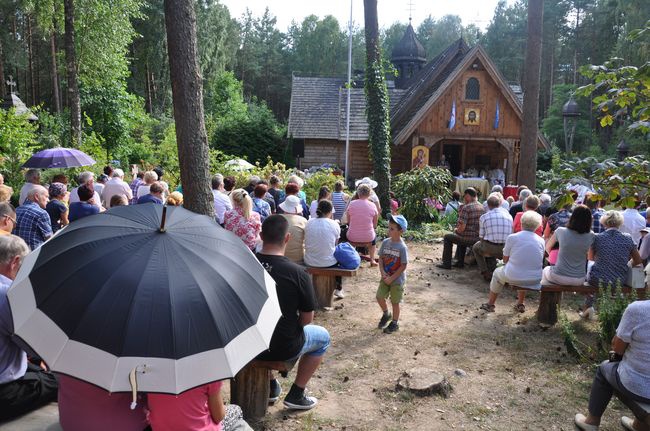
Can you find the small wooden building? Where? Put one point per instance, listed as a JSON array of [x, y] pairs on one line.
[[457, 105]]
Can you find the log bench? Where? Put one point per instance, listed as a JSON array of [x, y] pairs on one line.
[[551, 297], [324, 281], [640, 410], [250, 388], [362, 245]]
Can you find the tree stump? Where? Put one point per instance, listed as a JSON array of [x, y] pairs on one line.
[[250, 391], [547, 311], [424, 382], [324, 286]]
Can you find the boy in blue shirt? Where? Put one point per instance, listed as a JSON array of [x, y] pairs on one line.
[[393, 258]]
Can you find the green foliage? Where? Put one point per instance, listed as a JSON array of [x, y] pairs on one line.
[[322, 177], [553, 124], [17, 143], [576, 348], [611, 305], [415, 187], [620, 90], [618, 183]]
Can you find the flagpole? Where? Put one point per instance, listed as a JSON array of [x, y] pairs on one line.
[[349, 87]]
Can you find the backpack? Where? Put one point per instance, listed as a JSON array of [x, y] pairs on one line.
[[347, 256]]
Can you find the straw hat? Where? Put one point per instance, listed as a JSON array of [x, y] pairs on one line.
[[366, 180]]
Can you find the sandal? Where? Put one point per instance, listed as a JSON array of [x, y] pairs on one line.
[[520, 308], [487, 307]]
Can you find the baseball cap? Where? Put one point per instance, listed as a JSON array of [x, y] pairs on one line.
[[400, 220]]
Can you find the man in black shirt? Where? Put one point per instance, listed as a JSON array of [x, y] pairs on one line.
[[294, 336]]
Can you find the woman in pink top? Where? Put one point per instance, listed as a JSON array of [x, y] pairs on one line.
[[199, 409], [242, 220], [362, 216]]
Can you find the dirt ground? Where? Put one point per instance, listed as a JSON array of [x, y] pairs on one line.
[[518, 375]]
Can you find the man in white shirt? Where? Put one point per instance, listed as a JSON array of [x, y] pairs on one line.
[[221, 200], [86, 178], [23, 385], [116, 186], [494, 227], [633, 223], [32, 179]]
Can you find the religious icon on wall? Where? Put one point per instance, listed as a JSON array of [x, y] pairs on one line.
[[472, 116], [420, 156]]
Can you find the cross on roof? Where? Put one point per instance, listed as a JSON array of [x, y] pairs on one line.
[[12, 84], [411, 6]]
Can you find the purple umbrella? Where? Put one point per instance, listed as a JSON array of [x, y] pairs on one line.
[[59, 158]]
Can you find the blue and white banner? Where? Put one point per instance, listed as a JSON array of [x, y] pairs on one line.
[[452, 120], [496, 117]]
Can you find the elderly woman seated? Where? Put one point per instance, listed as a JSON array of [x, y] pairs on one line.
[[630, 376], [523, 256], [611, 251]]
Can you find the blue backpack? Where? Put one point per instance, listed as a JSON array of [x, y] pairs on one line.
[[347, 256]]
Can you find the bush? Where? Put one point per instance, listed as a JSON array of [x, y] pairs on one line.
[[17, 143], [611, 305], [415, 187]]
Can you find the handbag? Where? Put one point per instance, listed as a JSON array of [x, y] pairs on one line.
[[635, 277], [347, 256]]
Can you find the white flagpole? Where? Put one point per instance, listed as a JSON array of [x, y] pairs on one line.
[[349, 87]]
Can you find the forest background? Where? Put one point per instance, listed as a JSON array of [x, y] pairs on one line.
[[247, 64]]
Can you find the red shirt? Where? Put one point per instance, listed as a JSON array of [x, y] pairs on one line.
[[516, 225]]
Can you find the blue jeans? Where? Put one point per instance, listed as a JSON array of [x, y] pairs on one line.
[[317, 340]]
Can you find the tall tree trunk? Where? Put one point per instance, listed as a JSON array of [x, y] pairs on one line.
[[377, 106], [2, 72], [147, 81], [30, 61], [187, 95], [529, 129], [71, 68], [54, 70]]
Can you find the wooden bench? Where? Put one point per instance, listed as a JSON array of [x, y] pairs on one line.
[[640, 410], [250, 388], [324, 280], [551, 297], [362, 245]]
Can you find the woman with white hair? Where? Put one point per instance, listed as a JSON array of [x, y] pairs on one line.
[[610, 252], [523, 255], [149, 178], [242, 220]]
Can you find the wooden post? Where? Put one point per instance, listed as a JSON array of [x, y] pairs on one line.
[[324, 286], [250, 390], [547, 311]]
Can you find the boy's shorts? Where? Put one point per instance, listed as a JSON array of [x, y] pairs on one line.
[[394, 291]]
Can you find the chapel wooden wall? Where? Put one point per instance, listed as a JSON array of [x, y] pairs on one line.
[[319, 151], [436, 121]]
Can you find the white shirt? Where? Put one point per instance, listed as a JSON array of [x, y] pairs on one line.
[[74, 197], [321, 236], [13, 360], [99, 188], [142, 190], [633, 222], [24, 191], [221, 205], [115, 186], [526, 255]]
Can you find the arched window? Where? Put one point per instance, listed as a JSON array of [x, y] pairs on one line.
[[473, 89]]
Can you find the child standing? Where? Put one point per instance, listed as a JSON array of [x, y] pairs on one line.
[[393, 257]]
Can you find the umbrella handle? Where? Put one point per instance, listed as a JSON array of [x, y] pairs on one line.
[[133, 379]]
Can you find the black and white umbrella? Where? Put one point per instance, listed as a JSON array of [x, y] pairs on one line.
[[160, 294]]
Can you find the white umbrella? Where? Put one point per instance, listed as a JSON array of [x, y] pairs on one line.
[[239, 165]]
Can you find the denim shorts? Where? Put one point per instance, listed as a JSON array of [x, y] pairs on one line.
[[317, 340]]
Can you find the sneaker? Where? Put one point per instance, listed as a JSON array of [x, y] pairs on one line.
[[384, 320], [392, 327], [275, 392], [589, 314], [339, 293], [487, 307], [302, 403], [582, 425], [628, 423]]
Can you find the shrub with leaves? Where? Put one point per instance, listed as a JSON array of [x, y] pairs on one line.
[[17, 143], [611, 305], [413, 188]]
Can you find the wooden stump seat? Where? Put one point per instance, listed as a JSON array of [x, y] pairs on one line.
[[324, 280], [250, 387], [640, 410], [551, 297]]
